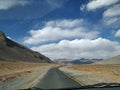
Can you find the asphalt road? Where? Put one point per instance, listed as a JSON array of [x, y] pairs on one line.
[[55, 79]]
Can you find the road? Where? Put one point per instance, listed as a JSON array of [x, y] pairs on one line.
[[55, 79]]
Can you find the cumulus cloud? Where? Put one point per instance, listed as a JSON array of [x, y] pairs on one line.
[[113, 11], [117, 34], [95, 4], [58, 30], [66, 23], [6, 4], [109, 21], [112, 16], [79, 48]]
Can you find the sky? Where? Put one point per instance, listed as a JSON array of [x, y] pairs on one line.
[[69, 29]]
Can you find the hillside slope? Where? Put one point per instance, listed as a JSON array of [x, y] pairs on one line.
[[113, 60], [12, 51]]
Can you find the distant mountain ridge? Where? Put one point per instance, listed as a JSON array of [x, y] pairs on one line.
[[77, 61], [113, 60], [12, 51]]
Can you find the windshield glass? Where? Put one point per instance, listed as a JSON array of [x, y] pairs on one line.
[[59, 44]]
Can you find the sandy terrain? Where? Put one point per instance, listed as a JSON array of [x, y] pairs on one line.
[[17, 75], [113, 60], [108, 72], [93, 74], [16, 69]]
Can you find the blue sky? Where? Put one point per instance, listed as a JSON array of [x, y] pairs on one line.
[[64, 28]]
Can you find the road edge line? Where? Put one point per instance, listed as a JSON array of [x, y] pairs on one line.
[[71, 77], [35, 81]]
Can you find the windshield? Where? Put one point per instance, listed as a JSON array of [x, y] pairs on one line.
[[59, 44]]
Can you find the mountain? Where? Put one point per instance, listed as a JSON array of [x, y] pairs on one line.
[[81, 62], [77, 61], [113, 60], [12, 51], [62, 60]]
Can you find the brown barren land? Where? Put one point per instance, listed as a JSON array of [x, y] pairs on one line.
[[110, 73], [9, 70]]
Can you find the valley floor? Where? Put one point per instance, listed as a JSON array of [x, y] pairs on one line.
[[93, 74], [17, 75]]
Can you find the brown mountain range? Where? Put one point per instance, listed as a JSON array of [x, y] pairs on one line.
[[12, 51]]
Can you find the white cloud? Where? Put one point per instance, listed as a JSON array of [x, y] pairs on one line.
[[113, 11], [79, 48], [111, 16], [95, 4], [117, 34], [58, 30], [112, 20], [6, 4], [66, 23]]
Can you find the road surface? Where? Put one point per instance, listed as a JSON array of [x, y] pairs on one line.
[[55, 79]]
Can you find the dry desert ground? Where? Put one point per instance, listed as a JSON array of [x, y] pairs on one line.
[[10, 70], [108, 73]]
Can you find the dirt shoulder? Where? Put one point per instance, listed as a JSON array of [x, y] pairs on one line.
[[93, 74], [9, 70], [21, 75]]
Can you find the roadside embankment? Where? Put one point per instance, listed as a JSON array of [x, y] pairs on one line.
[[93, 74], [21, 75]]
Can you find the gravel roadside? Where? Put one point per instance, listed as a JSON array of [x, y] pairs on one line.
[[23, 82], [82, 78]]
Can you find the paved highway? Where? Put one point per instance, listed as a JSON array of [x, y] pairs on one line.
[[55, 79]]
